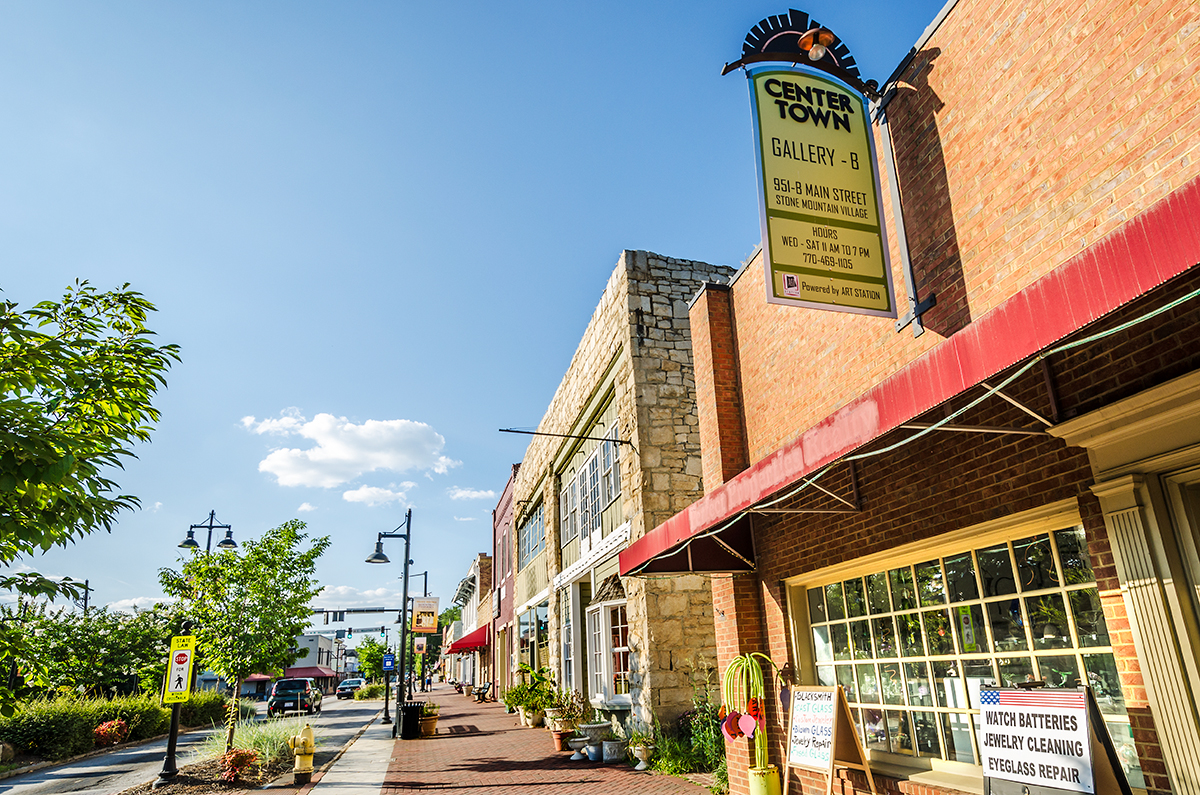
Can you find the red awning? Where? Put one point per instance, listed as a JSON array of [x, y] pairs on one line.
[[309, 672], [1161, 243], [258, 678], [475, 640]]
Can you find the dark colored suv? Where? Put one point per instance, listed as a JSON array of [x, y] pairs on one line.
[[293, 695]]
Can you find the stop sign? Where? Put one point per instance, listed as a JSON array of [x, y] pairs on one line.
[[181, 658]]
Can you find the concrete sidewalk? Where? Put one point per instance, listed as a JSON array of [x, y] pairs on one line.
[[361, 768], [482, 750]]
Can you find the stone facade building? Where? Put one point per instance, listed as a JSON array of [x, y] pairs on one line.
[[619, 454], [1013, 495]]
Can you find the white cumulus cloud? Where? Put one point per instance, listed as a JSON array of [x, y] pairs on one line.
[[137, 604], [343, 450], [306, 508], [458, 493], [373, 495]]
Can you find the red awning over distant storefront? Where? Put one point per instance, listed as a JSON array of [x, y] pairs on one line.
[[475, 640], [309, 672]]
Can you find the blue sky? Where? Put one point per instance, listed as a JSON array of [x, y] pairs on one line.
[[377, 231]]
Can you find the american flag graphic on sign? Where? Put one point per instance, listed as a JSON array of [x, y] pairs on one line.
[[1069, 699]]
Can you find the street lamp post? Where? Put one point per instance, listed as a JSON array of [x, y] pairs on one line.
[[378, 557], [226, 543]]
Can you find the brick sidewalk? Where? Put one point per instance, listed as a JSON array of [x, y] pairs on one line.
[[482, 750]]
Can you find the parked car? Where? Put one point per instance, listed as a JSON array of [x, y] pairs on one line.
[[347, 688], [293, 695]]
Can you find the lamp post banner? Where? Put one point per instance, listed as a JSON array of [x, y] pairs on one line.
[[425, 615], [419, 645], [820, 206]]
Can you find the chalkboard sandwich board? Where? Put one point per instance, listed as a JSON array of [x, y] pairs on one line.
[[821, 735]]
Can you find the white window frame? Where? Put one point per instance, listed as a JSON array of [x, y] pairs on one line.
[[568, 509], [600, 648]]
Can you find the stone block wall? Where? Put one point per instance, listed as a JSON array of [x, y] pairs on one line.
[[638, 345]]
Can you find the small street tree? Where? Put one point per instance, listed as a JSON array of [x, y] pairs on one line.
[[77, 380], [370, 657], [249, 605]]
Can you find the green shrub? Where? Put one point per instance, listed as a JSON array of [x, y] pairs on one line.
[[63, 727], [204, 708], [50, 729], [369, 692]]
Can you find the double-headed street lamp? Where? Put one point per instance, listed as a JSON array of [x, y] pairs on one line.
[[226, 543], [379, 557]]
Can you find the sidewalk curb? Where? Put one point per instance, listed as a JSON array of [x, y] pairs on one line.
[[304, 789], [20, 771]]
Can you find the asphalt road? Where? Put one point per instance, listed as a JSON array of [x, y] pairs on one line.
[[113, 772]]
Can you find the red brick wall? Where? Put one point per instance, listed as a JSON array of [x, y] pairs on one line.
[[1024, 134], [718, 399], [948, 481]]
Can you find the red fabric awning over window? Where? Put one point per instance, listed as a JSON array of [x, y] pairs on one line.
[[309, 672], [475, 640]]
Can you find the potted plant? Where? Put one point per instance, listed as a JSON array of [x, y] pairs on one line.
[[578, 742], [641, 744], [429, 718], [614, 743], [539, 694], [594, 732], [743, 685], [566, 710], [516, 698]]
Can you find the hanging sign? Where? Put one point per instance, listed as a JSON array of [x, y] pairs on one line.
[[821, 734], [1051, 738], [419, 644], [425, 615], [820, 206], [179, 669]]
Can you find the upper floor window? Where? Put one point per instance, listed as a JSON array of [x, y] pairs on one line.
[[589, 491], [531, 538]]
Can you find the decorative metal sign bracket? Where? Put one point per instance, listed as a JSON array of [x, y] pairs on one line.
[[916, 307]]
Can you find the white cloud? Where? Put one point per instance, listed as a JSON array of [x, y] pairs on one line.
[[137, 604], [458, 493], [344, 450], [464, 518], [289, 421], [373, 495], [306, 508]]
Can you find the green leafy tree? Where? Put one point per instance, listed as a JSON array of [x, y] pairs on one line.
[[77, 381], [370, 657], [249, 605]]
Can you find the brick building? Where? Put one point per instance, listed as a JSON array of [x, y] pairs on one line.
[[1015, 493], [618, 453], [503, 627]]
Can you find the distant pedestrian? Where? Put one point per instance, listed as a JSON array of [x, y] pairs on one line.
[[428, 681]]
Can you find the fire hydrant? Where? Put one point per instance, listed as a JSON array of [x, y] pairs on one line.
[[303, 745]]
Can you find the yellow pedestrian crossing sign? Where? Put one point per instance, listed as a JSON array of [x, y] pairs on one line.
[[179, 669]]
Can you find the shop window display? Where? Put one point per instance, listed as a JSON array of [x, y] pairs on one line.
[[912, 645]]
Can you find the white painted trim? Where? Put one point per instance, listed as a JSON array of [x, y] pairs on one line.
[[610, 543], [540, 596]]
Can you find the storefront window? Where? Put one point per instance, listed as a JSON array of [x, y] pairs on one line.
[[912, 645]]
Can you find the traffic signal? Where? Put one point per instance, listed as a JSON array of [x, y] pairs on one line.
[[383, 632], [349, 634]]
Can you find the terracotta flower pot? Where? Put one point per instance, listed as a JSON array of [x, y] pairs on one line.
[[560, 738], [429, 725]]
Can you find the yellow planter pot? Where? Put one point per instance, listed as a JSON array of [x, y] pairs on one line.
[[764, 780]]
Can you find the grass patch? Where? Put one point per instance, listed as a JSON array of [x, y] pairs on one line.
[[267, 738]]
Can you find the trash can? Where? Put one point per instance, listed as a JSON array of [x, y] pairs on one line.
[[410, 719]]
